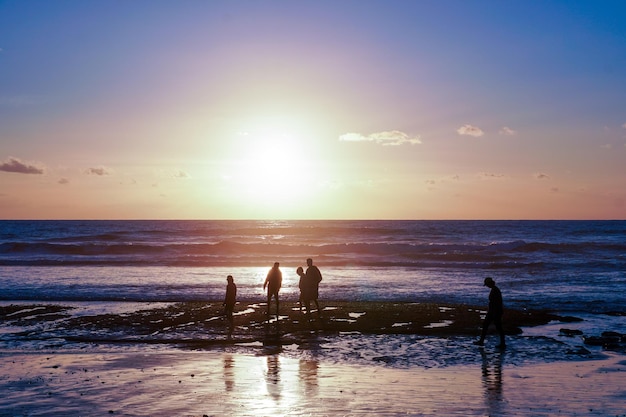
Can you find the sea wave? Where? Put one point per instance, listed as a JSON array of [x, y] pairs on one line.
[[513, 254], [227, 247]]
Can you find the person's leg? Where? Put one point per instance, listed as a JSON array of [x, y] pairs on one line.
[[277, 304], [269, 300], [486, 324], [498, 322]]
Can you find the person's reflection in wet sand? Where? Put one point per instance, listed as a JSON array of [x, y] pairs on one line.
[[272, 376], [229, 375], [492, 381], [307, 373]]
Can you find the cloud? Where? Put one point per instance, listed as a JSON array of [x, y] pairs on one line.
[[17, 166], [554, 190], [624, 125], [542, 176], [181, 174], [388, 138], [469, 130], [63, 181], [507, 131], [491, 176], [100, 171], [443, 180]]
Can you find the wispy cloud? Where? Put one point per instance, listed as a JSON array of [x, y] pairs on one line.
[[491, 176], [388, 138], [100, 171], [507, 131], [542, 176], [470, 130], [15, 165], [63, 181], [181, 174], [442, 180]]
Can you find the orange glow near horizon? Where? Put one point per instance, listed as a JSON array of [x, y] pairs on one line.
[[312, 110]]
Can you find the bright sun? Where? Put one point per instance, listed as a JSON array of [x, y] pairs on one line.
[[272, 163]]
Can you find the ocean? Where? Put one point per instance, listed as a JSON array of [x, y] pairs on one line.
[[556, 265], [575, 268]]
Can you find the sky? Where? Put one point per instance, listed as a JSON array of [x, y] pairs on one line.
[[451, 109]]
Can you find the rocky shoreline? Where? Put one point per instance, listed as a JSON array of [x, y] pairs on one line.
[[170, 323]]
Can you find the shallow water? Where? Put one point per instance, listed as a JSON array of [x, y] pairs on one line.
[[175, 383]]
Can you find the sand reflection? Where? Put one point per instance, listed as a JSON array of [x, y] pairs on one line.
[[272, 377], [492, 381], [307, 374], [229, 374]]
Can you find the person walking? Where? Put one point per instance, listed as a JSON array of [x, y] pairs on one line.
[[273, 282], [494, 314]]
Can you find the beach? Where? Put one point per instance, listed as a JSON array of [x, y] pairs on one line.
[[226, 384], [127, 318], [357, 358]]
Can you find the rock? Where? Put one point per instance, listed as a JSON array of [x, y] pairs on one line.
[[612, 334], [580, 351], [570, 332], [601, 340]]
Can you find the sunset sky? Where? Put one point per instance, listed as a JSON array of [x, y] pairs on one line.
[[313, 110]]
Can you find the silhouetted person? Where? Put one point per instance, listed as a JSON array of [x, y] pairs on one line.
[[231, 298], [273, 282], [301, 285], [306, 290], [494, 313], [313, 279], [229, 303]]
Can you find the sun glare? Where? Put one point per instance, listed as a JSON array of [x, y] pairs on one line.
[[272, 166]]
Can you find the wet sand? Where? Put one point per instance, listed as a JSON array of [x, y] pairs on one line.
[[225, 384], [359, 358]]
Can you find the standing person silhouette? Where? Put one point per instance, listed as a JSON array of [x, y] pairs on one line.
[[229, 302], [494, 313], [301, 285], [231, 298], [273, 281], [313, 279]]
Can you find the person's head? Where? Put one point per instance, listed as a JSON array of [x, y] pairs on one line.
[[309, 262], [276, 264], [229, 278], [489, 282], [299, 271]]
